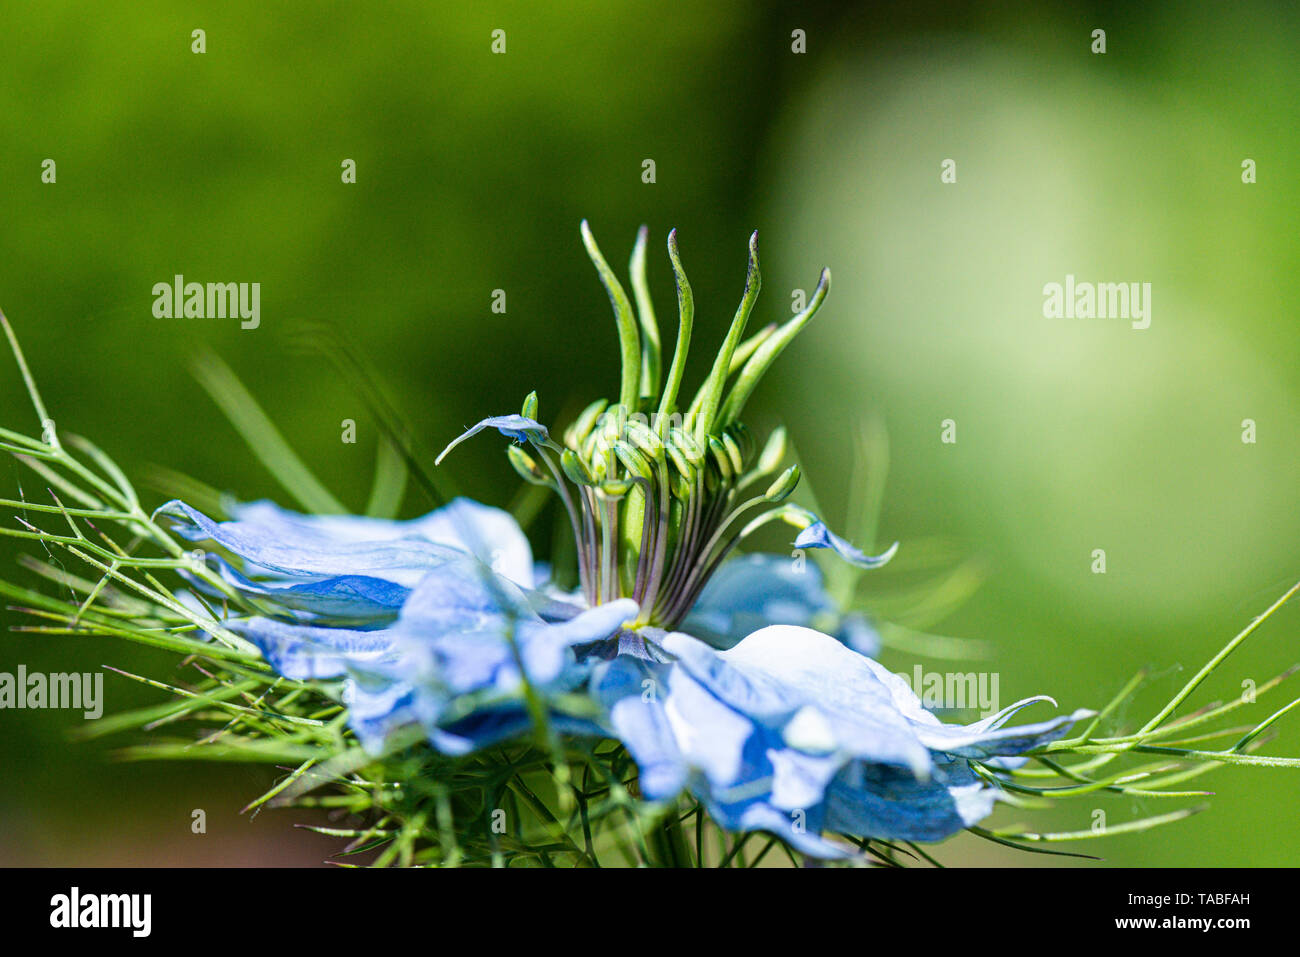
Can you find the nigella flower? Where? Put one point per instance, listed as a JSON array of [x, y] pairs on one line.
[[735, 678]]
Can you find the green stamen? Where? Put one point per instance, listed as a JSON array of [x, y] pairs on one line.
[[685, 319], [654, 501], [629, 341], [710, 394], [650, 358], [767, 353]]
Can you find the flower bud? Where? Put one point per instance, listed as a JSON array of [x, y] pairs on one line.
[[526, 466], [780, 490]]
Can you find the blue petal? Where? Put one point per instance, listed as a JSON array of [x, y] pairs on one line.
[[377, 706], [792, 732], [303, 652], [884, 802], [798, 834], [546, 648], [354, 598], [490, 534], [856, 632], [778, 671], [756, 590], [631, 692], [513, 426], [752, 591], [493, 726], [464, 642], [459, 623], [311, 547], [817, 535], [304, 549], [719, 742], [975, 741], [800, 828], [983, 739]]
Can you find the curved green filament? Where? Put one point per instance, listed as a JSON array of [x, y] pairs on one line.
[[767, 353], [710, 396], [645, 310], [628, 339], [685, 319]]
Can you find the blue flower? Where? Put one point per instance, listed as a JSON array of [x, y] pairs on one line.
[[440, 623], [786, 730]]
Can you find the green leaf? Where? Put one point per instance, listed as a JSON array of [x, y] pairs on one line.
[[263, 438]]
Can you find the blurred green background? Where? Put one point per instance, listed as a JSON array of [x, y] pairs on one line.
[[473, 170]]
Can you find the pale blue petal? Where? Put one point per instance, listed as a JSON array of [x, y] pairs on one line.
[[717, 741], [462, 637], [800, 829], [315, 546], [303, 652], [752, 591], [817, 535], [350, 597], [980, 743], [513, 426], [490, 534], [487, 727], [983, 739], [799, 780], [547, 648], [884, 802], [856, 632], [377, 706], [777, 671], [300, 547], [631, 692]]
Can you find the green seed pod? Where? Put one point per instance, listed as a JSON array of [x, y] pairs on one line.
[[780, 490], [744, 440], [646, 441], [616, 488], [575, 468], [686, 444], [721, 458], [633, 461], [733, 453], [527, 467], [683, 467]]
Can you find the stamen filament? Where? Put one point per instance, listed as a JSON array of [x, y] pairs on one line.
[[582, 542], [685, 320]]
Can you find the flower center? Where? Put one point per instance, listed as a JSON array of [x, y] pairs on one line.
[[659, 489], [655, 510], [656, 488]]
